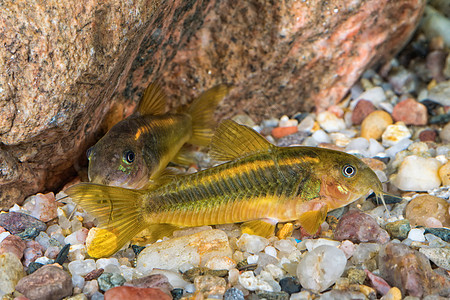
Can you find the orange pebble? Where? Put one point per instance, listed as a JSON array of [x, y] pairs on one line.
[[279, 132]]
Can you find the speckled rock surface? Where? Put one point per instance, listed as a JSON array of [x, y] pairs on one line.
[[68, 64]]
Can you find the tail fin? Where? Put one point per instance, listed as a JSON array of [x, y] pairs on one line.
[[118, 210], [202, 113]]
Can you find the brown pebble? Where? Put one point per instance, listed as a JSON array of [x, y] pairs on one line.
[[410, 112], [158, 281], [94, 274], [427, 135], [48, 282], [362, 109]]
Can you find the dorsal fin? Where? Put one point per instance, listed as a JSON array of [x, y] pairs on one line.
[[153, 101], [232, 140]]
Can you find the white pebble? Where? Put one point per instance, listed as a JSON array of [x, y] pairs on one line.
[[270, 250], [306, 125], [175, 278], [321, 136], [77, 281], [417, 235], [82, 267], [3, 235], [251, 243], [375, 95], [330, 122], [401, 145], [339, 139], [394, 134], [374, 148], [252, 259], [220, 263], [103, 262], [321, 267], [285, 245], [311, 244], [250, 282], [417, 174], [360, 144], [190, 288], [286, 122], [275, 271]]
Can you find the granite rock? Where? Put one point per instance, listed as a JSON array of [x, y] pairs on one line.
[[68, 66], [48, 282], [16, 222]]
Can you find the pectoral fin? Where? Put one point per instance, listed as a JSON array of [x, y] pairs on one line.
[[263, 228], [311, 220]]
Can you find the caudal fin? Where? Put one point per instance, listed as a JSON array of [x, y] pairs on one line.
[[118, 210], [202, 113]]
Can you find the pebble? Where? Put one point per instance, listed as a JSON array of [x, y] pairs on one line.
[[440, 256], [410, 271], [131, 293], [444, 134], [417, 174], [175, 278], [248, 280], [12, 244], [443, 233], [398, 229], [435, 24], [321, 267], [362, 109], [403, 81], [195, 249], [440, 93], [435, 64], [251, 243], [49, 282], [425, 209], [82, 267], [307, 124], [41, 206], [220, 263], [320, 136], [376, 95], [233, 294], [373, 126], [210, 285], [428, 135], [393, 294], [158, 281], [107, 281], [279, 132], [330, 122], [357, 226], [444, 173], [290, 285], [16, 222], [11, 271], [378, 283], [410, 112], [394, 134], [417, 235]]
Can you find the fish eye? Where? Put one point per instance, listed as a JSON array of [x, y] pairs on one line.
[[348, 171], [89, 152], [128, 156]]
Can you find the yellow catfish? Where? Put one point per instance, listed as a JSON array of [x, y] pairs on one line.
[[136, 150], [261, 184]]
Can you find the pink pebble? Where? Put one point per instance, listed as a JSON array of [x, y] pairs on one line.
[[378, 283]]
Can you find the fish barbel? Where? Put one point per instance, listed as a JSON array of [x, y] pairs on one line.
[[261, 184], [136, 150]]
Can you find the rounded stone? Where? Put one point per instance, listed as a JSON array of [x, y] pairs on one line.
[[425, 209], [373, 126], [410, 112]]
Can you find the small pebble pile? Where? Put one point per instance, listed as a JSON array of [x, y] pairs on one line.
[[397, 120]]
